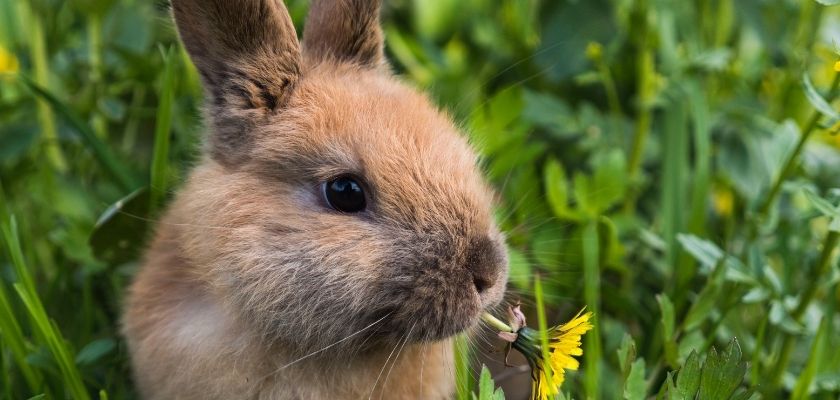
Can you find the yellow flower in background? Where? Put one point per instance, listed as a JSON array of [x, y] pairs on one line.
[[723, 202], [837, 66], [8, 62], [564, 343], [594, 51]]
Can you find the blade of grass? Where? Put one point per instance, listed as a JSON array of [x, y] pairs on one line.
[[10, 329], [592, 296], [676, 154], [119, 171], [463, 378], [40, 66], [94, 35], [47, 331], [15, 342], [163, 124], [803, 384]]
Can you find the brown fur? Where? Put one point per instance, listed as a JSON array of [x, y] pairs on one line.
[[253, 287]]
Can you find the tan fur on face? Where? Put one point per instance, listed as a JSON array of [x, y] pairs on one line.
[[251, 269]]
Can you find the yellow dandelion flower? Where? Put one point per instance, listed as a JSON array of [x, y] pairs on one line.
[[564, 342], [837, 66], [8, 62]]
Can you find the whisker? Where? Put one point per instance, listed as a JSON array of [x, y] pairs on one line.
[[383, 367], [334, 344], [396, 359]]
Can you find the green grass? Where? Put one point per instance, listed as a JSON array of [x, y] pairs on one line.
[[668, 164]]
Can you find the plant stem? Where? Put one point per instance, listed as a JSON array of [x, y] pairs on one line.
[[495, 322], [790, 164], [822, 268], [645, 74], [592, 296], [543, 325]]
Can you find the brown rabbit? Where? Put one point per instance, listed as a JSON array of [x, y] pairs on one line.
[[335, 235]]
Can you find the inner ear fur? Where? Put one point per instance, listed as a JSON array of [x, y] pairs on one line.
[[344, 31], [249, 58]]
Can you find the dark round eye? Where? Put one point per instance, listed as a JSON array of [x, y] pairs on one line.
[[345, 194]]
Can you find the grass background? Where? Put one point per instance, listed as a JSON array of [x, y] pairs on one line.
[[668, 163]]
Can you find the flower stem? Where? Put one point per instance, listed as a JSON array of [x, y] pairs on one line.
[[495, 322], [543, 324], [822, 268]]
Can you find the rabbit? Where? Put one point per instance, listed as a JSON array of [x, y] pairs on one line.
[[335, 233]]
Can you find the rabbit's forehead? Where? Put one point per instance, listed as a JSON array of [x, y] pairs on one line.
[[410, 152]]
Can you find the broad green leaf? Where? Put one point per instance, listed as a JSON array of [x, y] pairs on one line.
[[634, 387], [667, 310], [626, 354], [556, 188], [609, 181], [688, 379], [722, 372], [485, 384]]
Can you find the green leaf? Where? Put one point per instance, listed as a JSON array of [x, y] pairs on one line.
[[556, 188], [634, 387], [826, 209], [94, 351], [702, 307], [822, 205], [119, 233], [816, 99], [722, 372], [609, 181], [688, 379], [667, 309], [626, 354], [487, 388], [667, 322], [709, 255], [828, 2]]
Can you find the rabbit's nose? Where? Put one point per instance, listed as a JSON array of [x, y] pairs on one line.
[[484, 263]]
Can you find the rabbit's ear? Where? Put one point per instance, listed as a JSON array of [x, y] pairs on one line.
[[249, 58], [344, 30]]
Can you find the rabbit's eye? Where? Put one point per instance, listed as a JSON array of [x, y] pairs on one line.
[[345, 194]]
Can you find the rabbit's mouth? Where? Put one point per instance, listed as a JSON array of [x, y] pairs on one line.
[[439, 304]]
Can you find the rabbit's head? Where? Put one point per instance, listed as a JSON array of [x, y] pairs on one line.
[[338, 201]]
